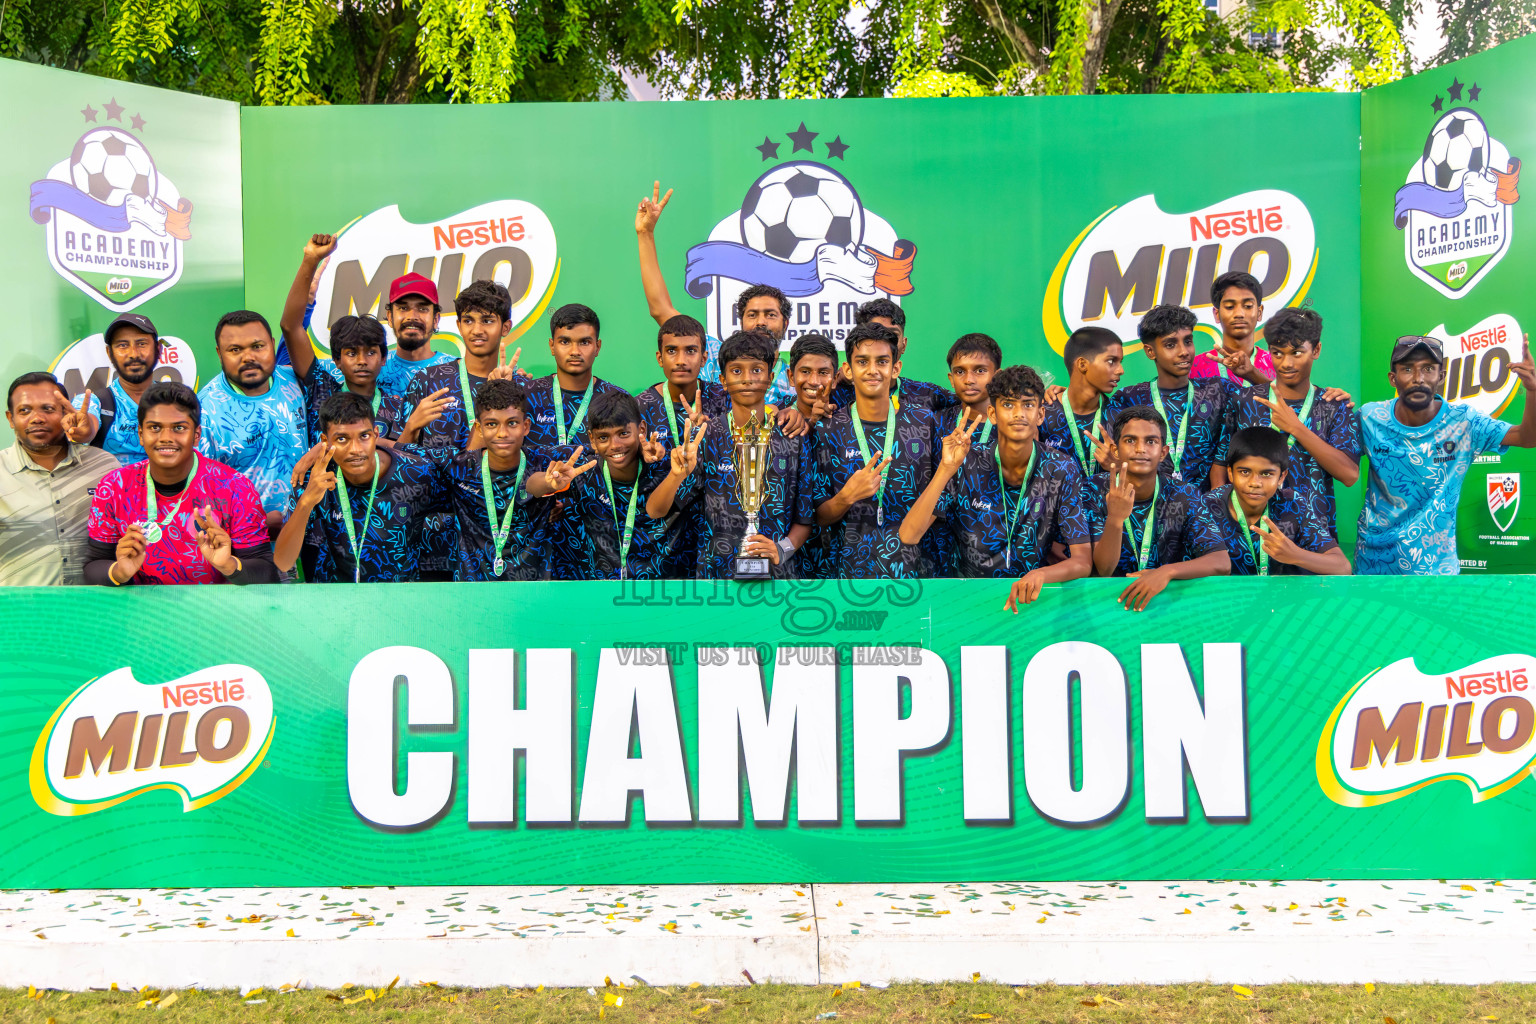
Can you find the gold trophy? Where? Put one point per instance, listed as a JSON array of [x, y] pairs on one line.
[[750, 458]]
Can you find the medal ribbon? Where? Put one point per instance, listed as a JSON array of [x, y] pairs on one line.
[[346, 517], [499, 533], [1177, 454], [629, 517], [1084, 446], [153, 511], [986, 432], [1306, 412], [581, 414], [890, 446], [1260, 556], [1002, 486], [1148, 529]]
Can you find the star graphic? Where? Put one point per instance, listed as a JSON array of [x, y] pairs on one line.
[[138, 123], [1438, 105], [769, 149], [89, 113], [1472, 93], [803, 139], [836, 148], [1455, 90], [114, 111]]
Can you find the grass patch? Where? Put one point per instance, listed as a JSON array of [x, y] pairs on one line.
[[771, 1004]]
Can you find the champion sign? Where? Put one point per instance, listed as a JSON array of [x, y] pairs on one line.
[[200, 736], [508, 240], [1401, 729], [1136, 256]]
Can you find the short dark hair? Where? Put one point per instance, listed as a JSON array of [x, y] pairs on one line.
[[757, 291], [170, 392], [485, 297], [344, 407], [358, 332], [612, 409], [812, 345], [574, 314], [1140, 412], [1239, 279], [1087, 343], [502, 394], [681, 326], [980, 344], [1294, 327], [881, 307], [752, 344], [1161, 321], [30, 378], [1015, 382], [871, 332], [1259, 443], [239, 318]]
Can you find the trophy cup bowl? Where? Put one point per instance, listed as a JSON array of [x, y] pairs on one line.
[[750, 457]]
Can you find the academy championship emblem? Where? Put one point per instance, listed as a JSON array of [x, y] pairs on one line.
[[1401, 729], [802, 228], [199, 736], [1503, 499], [1135, 256], [508, 241], [1456, 211], [115, 223]]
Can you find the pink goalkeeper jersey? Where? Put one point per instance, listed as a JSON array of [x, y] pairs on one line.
[[1207, 366], [120, 501]]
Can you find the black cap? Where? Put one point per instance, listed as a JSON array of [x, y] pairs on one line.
[[1410, 343], [138, 320]]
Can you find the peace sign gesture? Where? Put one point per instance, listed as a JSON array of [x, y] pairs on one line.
[[563, 472], [651, 448], [650, 209], [1122, 493], [1103, 449], [77, 422], [321, 479], [214, 542], [685, 454], [866, 481], [1524, 369], [1281, 416], [958, 442], [507, 370]]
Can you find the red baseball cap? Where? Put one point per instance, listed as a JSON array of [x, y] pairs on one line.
[[413, 284]]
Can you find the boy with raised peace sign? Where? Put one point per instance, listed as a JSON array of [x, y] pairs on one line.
[[1145, 524], [1077, 419], [702, 471], [1009, 502]]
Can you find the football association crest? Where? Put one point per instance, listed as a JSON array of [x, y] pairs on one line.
[[1503, 499], [802, 228], [1456, 210], [115, 223]]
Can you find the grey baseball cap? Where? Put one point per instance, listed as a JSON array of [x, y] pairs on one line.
[[1408, 344]]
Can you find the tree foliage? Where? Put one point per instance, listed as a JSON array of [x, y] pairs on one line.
[[298, 52]]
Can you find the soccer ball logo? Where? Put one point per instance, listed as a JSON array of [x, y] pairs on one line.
[[1456, 146], [796, 208], [109, 165]]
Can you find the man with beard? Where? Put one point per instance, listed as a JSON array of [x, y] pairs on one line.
[[46, 486], [133, 349], [176, 517], [1420, 447], [253, 412], [413, 313]]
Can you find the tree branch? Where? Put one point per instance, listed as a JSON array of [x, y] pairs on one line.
[[1012, 32]]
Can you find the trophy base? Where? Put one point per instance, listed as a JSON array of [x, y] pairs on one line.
[[752, 569]]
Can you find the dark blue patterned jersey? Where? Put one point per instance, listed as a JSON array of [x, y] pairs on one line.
[[1056, 430], [598, 525], [1182, 526], [1293, 515], [523, 554], [682, 535], [324, 380], [710, 490], [978, 510], [1334, 422], [542, 432], [451, 431], [867, 542], [1206, 443], [390, 547], [919, 392]]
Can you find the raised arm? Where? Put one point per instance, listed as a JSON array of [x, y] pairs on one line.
[[300, 351], [651, 279]]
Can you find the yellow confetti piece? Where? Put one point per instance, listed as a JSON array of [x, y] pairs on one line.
[[836, 992], [1042, 919], [449, 999], [860, 984], [1389, 1020], [839, 902], [804, 928], [350, 984], [981, 1016], [1370, 987], [1021, 991], [1491, 1016], [392, 984], [253, 992], [670, 926], [602, 1011], [1242, 991], [975, 975], [41, 935], [1293, 907], [50, 1020], [1186, 910], [693, 984], [167, 1001], [66, 997], [114, 986], [32, 992], [702, 1010], [291, 935], [1469, 888], [610, 999], [349, 1002], [799, 893]]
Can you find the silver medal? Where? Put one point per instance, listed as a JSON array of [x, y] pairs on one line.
[[151, 533], [500, 565], [879, 515]]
